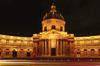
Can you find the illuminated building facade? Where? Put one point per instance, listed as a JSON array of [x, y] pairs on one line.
[[52, 41]]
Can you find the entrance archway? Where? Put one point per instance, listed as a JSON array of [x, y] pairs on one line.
[[53, 51], [14, 53], [28, 54]]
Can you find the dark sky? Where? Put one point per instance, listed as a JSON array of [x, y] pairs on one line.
[[24, 17]]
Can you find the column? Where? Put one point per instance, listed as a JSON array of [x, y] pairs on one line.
[[39, 47], [60, 47], [45, 47], [42, 48], [57, 49], [64, 47], [49, 47]]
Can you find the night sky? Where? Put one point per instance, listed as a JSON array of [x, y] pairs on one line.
[[24, 17]]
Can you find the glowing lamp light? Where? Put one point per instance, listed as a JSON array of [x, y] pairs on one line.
[[18, 38], [88, 37], [15, 50], [11, 36], [95, 37], [81, 38], [4, 36]]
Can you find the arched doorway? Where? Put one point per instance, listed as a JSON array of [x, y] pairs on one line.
[[53, 51], [28, 54], [14, 53]]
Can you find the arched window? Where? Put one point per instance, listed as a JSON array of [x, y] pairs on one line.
[[61, 29], [53, 27], [92, 49], [45, 28], [85, 49], [85, 52]]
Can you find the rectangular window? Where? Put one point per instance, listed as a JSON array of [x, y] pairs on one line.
[[78, 43], [14, 43], [92, 52], [85, 52], [7, 42], [92, 42], [21, 43], [7, 53], [85, 42], [28, 43]]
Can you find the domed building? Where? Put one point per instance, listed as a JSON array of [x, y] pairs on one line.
[[52, 42]]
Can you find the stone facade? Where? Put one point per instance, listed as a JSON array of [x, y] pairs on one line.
[[53, 41]]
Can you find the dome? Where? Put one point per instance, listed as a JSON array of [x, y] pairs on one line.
[[53, 14]]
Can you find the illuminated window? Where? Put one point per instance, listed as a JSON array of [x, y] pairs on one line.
[[92, 42], [45, 28], [7, 42], [92, 51], [78, 54], [28, 43], [61, 29], [53, 27], [21, 43], [0, 41], [78, 43], [14, 43], [85, 51], [85, 42]]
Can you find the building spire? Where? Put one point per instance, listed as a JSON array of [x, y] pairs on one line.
[[53, 8]]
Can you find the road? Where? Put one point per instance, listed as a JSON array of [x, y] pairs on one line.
[[45, 63]]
